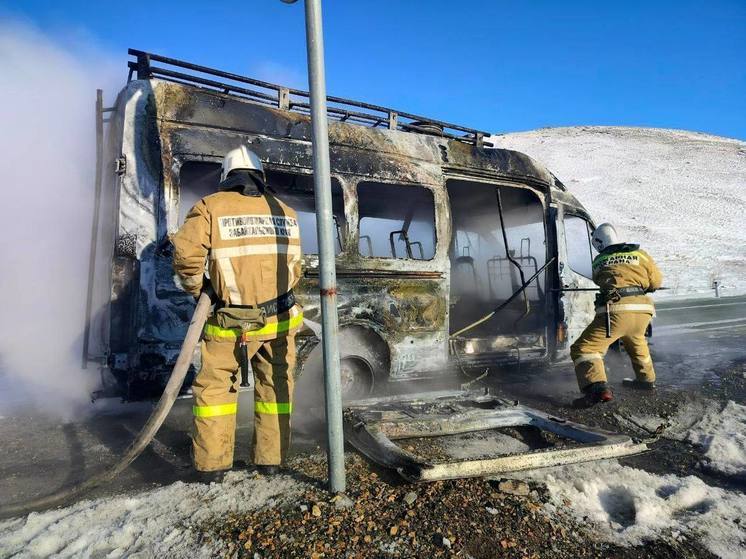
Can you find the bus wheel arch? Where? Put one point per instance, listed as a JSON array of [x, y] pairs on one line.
[[365, 359]]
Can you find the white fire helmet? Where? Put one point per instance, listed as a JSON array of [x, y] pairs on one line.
[[241, 158], [603, 236]]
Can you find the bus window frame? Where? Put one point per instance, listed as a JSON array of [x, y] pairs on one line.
[[441, 223], [590, 227]]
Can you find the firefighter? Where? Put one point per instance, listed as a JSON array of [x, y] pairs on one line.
[[249, 241], [624, 274]]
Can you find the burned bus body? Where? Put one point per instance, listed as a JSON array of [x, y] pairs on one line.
[[434, 228]]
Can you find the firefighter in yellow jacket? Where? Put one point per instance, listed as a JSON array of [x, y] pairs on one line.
[[250, 243], [624, 274]]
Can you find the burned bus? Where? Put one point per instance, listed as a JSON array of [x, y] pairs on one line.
[[434, 229]]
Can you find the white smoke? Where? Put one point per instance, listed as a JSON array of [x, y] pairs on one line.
[[47, 155]]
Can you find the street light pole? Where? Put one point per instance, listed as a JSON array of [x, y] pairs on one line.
[[324, 229]]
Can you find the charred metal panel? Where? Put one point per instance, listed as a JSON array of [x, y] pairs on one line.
[[141, 261], [468, 347], [190, 106], [137, 196], [372, 426], [569, 201], [409, 314], [279, 153], [199, 107], [504, 163]]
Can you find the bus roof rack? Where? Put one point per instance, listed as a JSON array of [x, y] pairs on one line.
[[287, 98]]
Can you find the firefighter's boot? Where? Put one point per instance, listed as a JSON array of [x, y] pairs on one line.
[[267, 470], [215, 476], [638, 384], [596, 393]]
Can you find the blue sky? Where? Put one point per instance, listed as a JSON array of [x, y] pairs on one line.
[[494, 65]]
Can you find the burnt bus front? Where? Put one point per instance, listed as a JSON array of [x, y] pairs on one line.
[[431, 233]]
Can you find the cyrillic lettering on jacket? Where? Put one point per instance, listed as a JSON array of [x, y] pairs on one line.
[[246, 226]]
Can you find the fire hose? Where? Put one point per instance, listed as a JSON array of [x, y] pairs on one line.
[[148, 431]]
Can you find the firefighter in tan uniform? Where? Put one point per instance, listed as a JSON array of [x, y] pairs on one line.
[[625, 275], [250, 242]]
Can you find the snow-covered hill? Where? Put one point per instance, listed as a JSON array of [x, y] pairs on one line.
[[682, 195]]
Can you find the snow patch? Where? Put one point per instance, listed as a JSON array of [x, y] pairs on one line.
[[722, 433], [630, 506], [157, 523]]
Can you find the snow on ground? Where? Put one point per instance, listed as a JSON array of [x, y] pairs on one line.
[[156, 523], [626, 505], [682, 195], [719, 430], [630, 506], [723, 436]]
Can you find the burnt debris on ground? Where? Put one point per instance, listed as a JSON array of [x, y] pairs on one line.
[[479, 518], [383, 517], [665, 425]]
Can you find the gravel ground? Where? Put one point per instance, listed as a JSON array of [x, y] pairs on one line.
[[382, 516]]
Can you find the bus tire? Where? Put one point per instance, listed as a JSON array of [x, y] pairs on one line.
[[364, 367]]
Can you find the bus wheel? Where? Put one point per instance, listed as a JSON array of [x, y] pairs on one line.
[[358, 378], [364, 368]]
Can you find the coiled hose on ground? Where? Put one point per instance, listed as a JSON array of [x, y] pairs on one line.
[[148, 431]]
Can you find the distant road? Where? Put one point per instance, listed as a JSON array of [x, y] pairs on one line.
[[693, 316], [696, 337]]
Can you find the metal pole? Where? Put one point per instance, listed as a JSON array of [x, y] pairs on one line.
[[94, 224], [325, 230]]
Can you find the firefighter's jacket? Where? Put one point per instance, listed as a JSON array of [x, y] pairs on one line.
[[253, 253], [626, 265]]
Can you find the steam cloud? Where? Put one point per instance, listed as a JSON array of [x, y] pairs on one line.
[[47, 155]]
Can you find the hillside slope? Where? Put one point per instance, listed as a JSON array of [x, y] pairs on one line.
[[682, 195]]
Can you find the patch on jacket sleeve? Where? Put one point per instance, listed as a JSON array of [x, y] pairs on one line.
[[246, 226]]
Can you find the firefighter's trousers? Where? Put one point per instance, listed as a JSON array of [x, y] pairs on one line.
[[587, 352], [215, 390]]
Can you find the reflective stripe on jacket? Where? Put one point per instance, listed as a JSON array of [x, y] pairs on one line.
[[253, 252]]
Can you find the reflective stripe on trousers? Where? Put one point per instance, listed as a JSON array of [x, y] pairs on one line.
[[266, 330], [216, 410], [273, 408], [215, 391]]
